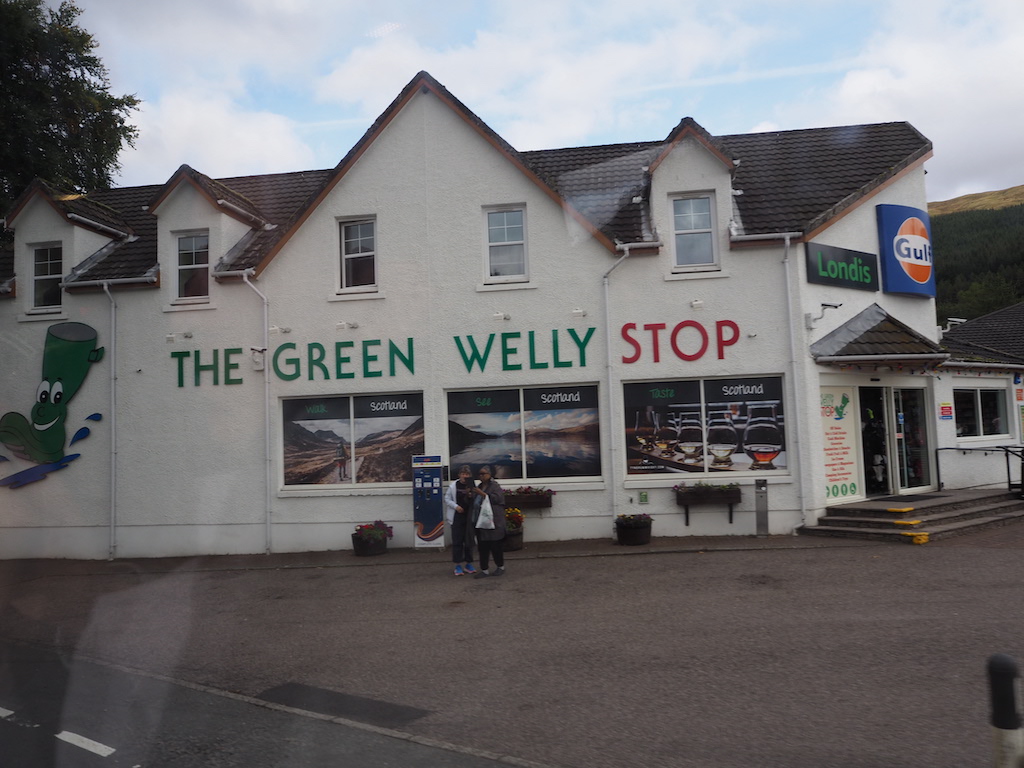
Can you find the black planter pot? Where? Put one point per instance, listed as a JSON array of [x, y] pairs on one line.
[[633, 536], [513, 541], [368, 547], [527, 501]]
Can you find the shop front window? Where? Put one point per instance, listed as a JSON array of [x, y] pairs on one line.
[[351, 439], [529, 433], [704, 426], [980, 412]]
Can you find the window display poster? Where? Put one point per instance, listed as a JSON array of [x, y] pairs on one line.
[[485, 427], [718, 425], [839, 425], [563, 434], [550, 432], [362, 439]]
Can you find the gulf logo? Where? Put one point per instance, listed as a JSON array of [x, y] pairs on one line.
[[913, 250]]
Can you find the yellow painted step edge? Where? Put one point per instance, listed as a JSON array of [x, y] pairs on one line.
[[919, 537], [900, 509], [905, 522]]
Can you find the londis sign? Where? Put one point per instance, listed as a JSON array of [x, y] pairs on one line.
[[905, 243], [828, 265]]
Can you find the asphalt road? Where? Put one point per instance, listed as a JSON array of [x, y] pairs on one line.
[[818, 655]]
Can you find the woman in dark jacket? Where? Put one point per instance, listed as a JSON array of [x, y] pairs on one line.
[[490, 541]]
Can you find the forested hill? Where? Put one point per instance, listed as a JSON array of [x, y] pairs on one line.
[[978, 242]]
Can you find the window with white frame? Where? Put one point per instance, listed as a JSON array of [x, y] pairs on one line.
[[980, 412], [47, 272], [358, 254], [506, 245], [694, 233], [194, 266]]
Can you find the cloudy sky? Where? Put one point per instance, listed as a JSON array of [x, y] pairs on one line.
[[236, 87]]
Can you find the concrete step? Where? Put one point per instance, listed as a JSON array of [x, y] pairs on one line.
[[916, 535], [911, 521]]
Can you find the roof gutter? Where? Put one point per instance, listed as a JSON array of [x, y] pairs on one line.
[[244, 213], [104, 283], [97, 225], [993, 366], [878, 358]]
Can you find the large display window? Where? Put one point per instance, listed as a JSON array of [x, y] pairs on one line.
[[705, 426], [528, 433], [351, 439]]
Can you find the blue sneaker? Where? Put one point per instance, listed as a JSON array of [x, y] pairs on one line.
[[470, 568], [458, 570]]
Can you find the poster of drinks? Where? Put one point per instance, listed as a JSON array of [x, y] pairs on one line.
[[715, 425]]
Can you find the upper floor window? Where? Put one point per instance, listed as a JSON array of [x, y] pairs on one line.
[[193, 266], [47, 274], [693, 226], [506, 245], [980, 412], [358, 254]]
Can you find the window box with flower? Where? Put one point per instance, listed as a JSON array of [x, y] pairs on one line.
[[529, 497], [371, 539], [707, 493]]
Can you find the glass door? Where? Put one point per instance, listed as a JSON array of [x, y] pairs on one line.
[[913, 450], [874, 441]]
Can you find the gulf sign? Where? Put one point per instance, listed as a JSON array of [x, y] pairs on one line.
[[905, 244]]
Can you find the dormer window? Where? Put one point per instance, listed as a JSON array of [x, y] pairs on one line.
[[194, 266], [47, 272], [693, 224]]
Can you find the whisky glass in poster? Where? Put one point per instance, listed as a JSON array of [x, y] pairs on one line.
[[718, 425], [363, 439]]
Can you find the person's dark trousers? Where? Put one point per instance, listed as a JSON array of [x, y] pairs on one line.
[[488, 548], [462, 539]]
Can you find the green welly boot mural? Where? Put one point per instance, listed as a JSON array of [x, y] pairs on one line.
[[69, 351]]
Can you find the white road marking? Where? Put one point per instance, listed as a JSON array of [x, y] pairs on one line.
[[5, 712], [80, 741]]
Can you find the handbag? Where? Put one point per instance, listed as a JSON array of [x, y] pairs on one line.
[[486, 519]]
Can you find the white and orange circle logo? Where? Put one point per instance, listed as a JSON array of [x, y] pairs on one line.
[[913, 250]]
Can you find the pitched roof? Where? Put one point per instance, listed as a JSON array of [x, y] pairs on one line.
[[784, 181], [876, 335], [997, 337]]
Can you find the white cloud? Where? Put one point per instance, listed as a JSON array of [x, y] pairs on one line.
[[209, 132]]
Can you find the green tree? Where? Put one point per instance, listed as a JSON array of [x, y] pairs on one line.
[[58, 119]]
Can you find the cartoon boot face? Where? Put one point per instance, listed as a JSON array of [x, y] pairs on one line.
[[69, 351]]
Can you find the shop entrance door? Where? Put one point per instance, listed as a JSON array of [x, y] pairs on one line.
[[874, 440], [913, 450], [894, 439]]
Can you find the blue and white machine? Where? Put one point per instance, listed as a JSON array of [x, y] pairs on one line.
[[428, 501]]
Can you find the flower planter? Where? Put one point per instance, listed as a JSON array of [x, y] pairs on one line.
[[633, 535], [527, 501], [697, 495], [368, 547], [513, 540]]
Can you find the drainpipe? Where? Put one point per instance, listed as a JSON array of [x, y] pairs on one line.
[[112, 544], [112, 358], [245, 274], [798, 377], [625, 248]]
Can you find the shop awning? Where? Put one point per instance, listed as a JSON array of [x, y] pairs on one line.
[[874, 337]]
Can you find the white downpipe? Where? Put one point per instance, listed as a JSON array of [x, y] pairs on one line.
[[798, 376], [609, 368], [112, 544], [269, 470]]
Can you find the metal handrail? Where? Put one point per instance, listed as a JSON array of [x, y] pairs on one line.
[[1007, 450]]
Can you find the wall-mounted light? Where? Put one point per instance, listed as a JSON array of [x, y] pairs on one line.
[[697, 304], [172, 337], [810, 320], [279, 329], [501, 316], [577, 312], [340, 326]]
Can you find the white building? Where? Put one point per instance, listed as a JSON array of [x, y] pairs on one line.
[[603, 321]]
